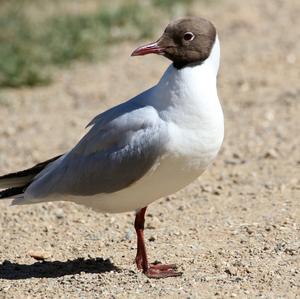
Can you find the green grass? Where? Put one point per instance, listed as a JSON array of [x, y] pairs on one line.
[[31, 49], [169, 4]]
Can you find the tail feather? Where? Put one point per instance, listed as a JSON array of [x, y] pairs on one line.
[[17, 182]]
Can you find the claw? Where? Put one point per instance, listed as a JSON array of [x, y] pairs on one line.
[[162, 271]]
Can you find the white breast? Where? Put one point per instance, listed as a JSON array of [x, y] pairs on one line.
[[188, 101]]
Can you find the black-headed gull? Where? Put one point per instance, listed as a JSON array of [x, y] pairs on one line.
[[146, 148]]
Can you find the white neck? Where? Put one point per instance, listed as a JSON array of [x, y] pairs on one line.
[[194, 84], [214, 57]]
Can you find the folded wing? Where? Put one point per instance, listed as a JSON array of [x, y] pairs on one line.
[[114, 154]]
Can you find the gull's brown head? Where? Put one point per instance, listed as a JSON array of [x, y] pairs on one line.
[[184, 41]]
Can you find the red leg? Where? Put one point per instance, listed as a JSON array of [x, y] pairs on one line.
[[151, 270], [141, 259]]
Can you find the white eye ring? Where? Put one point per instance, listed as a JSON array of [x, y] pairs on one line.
[[188, 36]]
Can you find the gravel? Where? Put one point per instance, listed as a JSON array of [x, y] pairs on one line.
[[234, 232]]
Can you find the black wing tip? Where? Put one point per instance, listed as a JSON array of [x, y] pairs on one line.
[[25, 176], [33, 170], [7, 193]]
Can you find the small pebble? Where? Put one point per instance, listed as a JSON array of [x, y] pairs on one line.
[[39, 255]]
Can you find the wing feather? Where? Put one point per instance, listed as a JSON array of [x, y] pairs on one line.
[[111, 156]]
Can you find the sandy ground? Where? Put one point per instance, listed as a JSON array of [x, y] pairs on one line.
[[234, 232]]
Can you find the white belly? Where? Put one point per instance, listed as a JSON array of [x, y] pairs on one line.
[[167, 177]]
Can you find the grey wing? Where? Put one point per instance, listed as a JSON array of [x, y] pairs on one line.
[[109, 157]]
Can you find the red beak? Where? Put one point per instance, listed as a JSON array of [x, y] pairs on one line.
[[153, 48]]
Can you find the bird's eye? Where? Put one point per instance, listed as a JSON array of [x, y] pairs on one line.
[[188, 36]]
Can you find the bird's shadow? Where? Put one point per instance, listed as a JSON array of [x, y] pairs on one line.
[[45, 269]]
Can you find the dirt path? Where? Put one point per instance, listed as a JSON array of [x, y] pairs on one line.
[[234, 232]]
